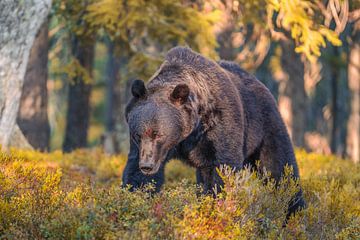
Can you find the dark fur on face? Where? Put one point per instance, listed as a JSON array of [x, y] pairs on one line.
[[157, 120]]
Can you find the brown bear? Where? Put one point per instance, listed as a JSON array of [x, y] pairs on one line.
[[206, 114]]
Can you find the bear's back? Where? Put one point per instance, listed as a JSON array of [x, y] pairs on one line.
[[249, 87]]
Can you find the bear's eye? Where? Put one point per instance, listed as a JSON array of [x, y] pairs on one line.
[[151, 133], [154, 134]]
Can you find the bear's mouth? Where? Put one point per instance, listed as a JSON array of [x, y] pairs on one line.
[[149, 169]]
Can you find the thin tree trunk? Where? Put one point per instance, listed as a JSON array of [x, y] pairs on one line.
[[78, 112], [32, 118], [334, 104], [353, 126], [113, 95], [226, 50], [292, 97], [224, 33], [121, 126], [111, 75], [19, 23]]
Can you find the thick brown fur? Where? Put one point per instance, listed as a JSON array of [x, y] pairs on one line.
[[207, 114]]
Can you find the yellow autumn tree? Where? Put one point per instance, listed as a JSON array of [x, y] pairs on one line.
[[300, 20], [144, 30]]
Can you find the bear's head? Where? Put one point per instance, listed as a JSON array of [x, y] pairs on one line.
[[159, 119]]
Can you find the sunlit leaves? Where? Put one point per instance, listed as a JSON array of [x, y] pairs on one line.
[[71, 13], [147, 29], [142, 29], [75, 70], [299, 18]]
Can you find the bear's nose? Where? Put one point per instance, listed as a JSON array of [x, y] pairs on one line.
[[146, 167]]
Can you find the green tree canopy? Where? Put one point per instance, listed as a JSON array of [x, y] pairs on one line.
[[142, 30]]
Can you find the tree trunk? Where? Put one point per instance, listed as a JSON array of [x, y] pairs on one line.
[[334, 103], [112, 104], [292, 97], [353, 127], [78, 112], [121, 126], [19, 23], [32, 118], [224, 33], [226, 50]]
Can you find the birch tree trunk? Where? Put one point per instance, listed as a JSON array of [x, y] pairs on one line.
[[353, 127], [19, 23]]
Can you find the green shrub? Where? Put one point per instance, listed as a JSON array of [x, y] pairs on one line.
[[78, 196]]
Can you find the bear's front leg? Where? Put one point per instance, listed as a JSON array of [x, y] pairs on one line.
[[209, 179]]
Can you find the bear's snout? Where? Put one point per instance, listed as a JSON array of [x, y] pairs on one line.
[[150, 156], [146, 167]]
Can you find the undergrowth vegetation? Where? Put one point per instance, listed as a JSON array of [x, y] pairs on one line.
[[78, 196]]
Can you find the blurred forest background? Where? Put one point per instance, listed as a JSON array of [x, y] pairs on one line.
[[86, 53]]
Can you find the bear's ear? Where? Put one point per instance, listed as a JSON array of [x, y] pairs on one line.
[[180, 94], [138, 89]]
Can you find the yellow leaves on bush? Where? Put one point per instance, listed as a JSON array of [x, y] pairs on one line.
[[246, 208], [29, 194], [313, 165], [176, 170], [78, 196]]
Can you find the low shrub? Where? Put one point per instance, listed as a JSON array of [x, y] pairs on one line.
[[78, 196]]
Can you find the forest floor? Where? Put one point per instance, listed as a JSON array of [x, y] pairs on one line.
[[78, 196]]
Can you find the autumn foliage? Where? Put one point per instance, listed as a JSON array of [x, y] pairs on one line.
[[78, 196]]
